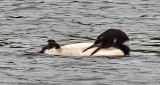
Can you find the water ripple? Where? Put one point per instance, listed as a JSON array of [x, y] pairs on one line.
[[27, 25]]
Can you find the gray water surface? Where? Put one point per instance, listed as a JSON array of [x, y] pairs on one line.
[[26, 25]]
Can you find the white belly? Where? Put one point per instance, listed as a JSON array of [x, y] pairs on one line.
[[78, 48]]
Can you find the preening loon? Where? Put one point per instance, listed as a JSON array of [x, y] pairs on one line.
[[112, 42]]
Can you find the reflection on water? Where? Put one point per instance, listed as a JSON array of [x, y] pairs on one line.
[[26, 25]]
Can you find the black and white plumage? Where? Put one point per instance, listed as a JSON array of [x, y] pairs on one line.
[[51, 44], [110, 43], [111, 38]]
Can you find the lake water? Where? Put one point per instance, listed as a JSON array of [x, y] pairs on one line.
[[26, 25]]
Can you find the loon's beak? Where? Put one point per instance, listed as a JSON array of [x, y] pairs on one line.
[[89, 47], [94, 45]]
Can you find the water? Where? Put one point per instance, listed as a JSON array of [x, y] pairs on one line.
[[26, 25]]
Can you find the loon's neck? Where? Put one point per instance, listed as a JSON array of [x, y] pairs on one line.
[[124, 48]]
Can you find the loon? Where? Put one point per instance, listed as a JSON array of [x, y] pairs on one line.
[[112, 42]]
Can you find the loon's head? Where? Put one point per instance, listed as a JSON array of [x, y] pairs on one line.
[[51, 44], [111, 38]]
